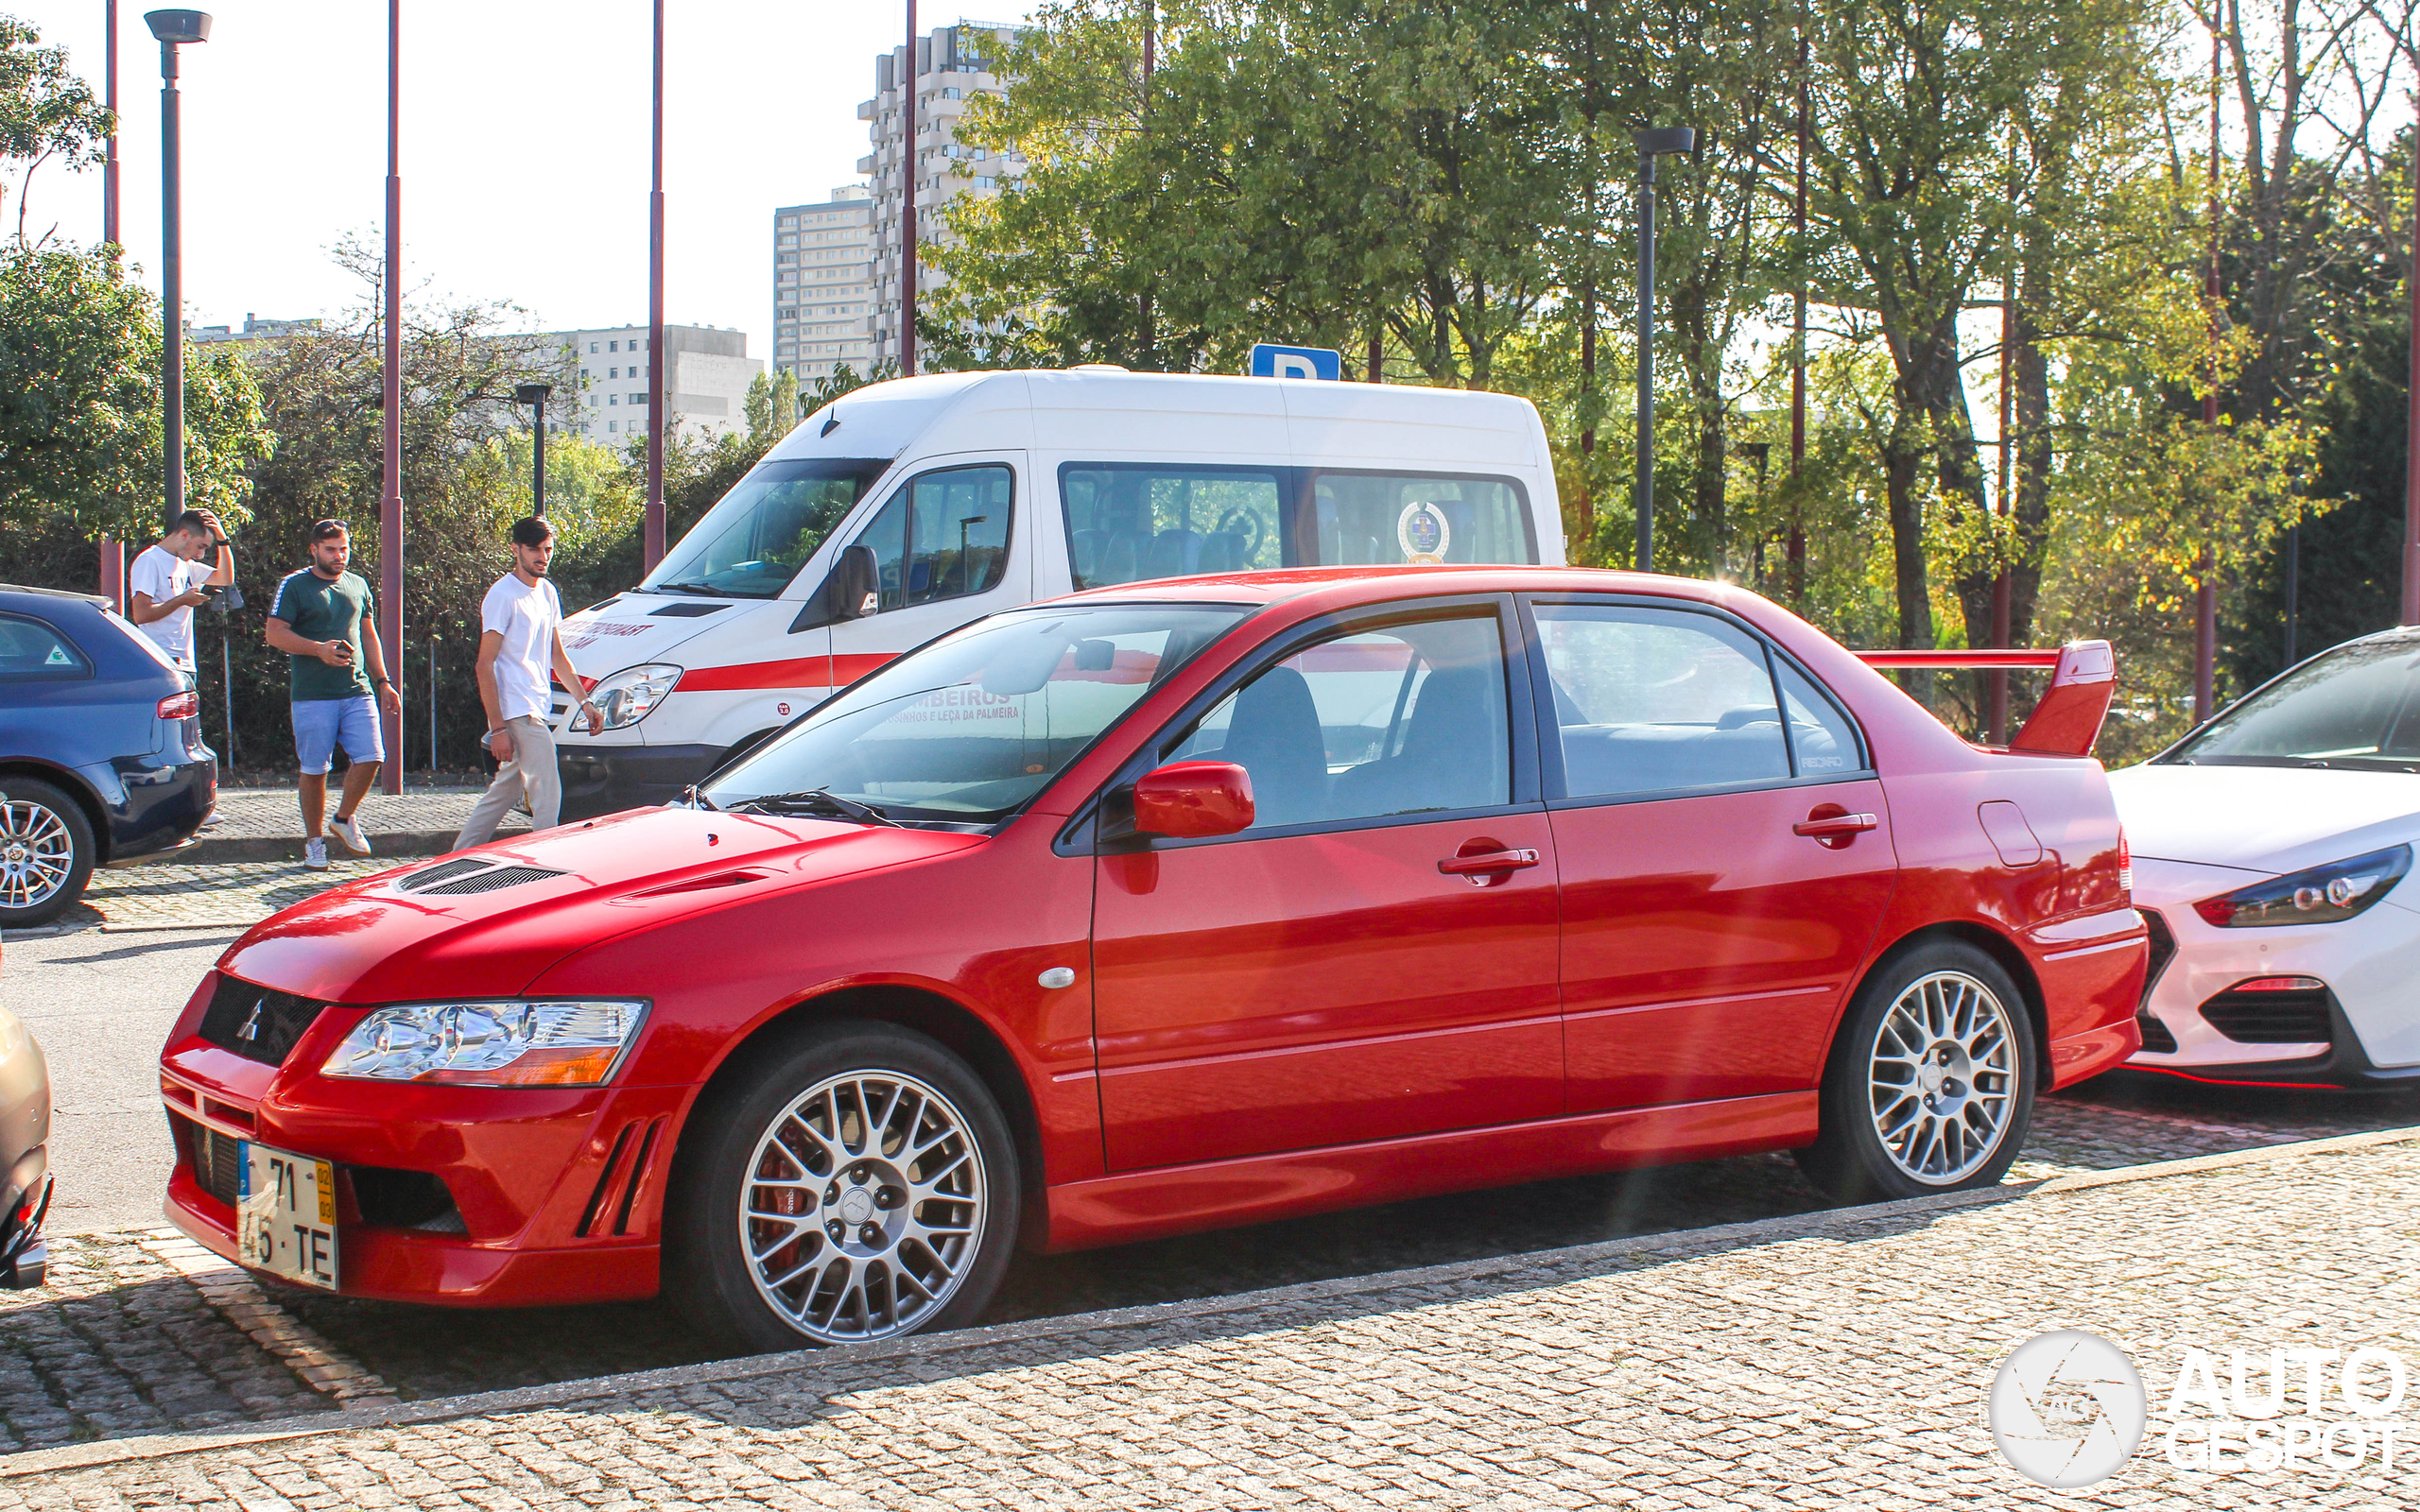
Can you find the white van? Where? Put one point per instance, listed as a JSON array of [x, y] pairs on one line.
[[909, 507]]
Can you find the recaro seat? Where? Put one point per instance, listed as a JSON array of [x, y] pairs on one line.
[[1446, 761], [1275, 734]]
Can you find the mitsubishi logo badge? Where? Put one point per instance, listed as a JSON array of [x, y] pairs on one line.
[[251, 1029]]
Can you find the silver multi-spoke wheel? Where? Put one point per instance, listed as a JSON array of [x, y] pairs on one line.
[[863, 1207], [1943, 1078], [37, 854]]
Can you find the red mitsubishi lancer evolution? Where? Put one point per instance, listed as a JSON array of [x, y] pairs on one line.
[[1168, 907]]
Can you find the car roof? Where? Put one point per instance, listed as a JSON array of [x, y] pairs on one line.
[[1348, 585], [11, 590]]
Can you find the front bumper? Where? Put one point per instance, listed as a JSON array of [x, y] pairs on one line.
[[465, 1196], [2363, 1030], [609, 778], [156, 803]]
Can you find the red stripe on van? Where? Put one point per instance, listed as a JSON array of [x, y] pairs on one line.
[[797, 672]]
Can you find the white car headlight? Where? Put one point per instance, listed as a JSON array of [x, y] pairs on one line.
[[531, 1042], [630, 694]]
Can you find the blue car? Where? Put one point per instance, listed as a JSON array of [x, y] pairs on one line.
[[101, 757]]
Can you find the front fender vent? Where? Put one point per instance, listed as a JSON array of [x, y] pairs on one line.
[[617, 1185], [493, 880]]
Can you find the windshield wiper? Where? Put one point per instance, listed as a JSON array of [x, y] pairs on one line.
[[819, 799], [708, 589]]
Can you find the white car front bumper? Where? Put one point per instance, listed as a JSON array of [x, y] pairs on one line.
[[2362, 1026]]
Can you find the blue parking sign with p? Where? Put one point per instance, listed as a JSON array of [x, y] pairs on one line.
[[1271, 361]]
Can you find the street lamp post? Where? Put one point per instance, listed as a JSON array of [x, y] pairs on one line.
[[1652, 144], [534, 395], [174, 29]]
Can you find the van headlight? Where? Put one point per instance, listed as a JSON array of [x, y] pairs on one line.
[[630, 694], [529, 1042], [2322, 895]]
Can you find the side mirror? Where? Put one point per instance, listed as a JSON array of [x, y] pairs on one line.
[[1193, 801], [856, 587], [852, 591]]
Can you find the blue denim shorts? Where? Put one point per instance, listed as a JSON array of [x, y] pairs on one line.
[[321, 724]]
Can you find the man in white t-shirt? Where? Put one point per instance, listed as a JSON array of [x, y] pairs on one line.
[[167, 583], [520, 638]]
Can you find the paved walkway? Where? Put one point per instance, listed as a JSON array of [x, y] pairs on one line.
[[1816, 1360], [264, 824]]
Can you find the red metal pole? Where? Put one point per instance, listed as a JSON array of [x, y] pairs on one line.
[[2411, 462], [2205, 597], [657, 382], [2003, 591], [390, 502], [907, 203], [112, 551], [1797, 559]]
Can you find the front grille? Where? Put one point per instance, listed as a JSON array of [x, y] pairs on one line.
[[488, 881], [2163, 947], [257, 1023], [2270, 1018], [2155, 1035], [215, 1158]]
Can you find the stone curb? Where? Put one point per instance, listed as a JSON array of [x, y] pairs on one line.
[[1764, 1230]]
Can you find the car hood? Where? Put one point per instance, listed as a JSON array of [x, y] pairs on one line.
[[2270, 819], [401, 935]]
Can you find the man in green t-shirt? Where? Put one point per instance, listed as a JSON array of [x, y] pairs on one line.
[[322, 620]]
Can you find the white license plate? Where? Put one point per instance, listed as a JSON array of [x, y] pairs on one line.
[[286, 1215]]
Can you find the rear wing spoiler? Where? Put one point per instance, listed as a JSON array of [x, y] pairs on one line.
[[2068, 720]]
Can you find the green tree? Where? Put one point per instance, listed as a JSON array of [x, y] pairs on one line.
[[45, 111]]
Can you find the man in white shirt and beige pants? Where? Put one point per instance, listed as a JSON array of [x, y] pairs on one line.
[[520, 634]]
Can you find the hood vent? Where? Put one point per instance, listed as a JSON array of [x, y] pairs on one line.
[[493, 880], [720, 879], [431, 876], [688, 612]]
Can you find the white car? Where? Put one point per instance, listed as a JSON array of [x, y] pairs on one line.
[[2272, 849]]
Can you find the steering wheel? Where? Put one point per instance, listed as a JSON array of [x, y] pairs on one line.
[[1253, 530]]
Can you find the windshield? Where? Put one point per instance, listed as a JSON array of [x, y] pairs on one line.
[[752, 542], [2356, 706], [968, 729]]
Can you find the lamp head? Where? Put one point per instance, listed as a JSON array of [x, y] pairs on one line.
[[532, 393], [1658, 140], [174, 26]]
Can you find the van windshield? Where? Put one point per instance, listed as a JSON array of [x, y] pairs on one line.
[[754, 542], [963, 731]]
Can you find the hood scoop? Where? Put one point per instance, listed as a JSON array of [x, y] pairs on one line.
[[457, 879]]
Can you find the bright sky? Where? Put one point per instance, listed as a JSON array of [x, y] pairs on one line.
[[525, 146]]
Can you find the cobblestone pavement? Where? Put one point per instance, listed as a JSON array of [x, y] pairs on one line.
[[1830, 1360], [270, 812], [232, 897]]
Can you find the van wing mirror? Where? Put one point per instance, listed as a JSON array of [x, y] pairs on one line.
[[850, 592], [1193, 801]]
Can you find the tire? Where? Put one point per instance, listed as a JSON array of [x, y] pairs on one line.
[[1944, 1022], [46, 852], [750, 1263]]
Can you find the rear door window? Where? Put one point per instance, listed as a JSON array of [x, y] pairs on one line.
[[1651, 700], [1130, 522], [34, 650]]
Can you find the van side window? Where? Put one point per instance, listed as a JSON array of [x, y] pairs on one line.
[[1126, 523], [1382, 518], [945, 535]]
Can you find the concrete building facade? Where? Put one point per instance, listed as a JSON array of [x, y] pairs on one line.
[[823, 285], [710, 372], [950, 67]]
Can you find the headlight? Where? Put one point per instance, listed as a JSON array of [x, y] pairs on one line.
[[531, 1043], [630, 694], [2322, 895]]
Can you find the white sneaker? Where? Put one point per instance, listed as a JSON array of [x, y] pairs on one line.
[[348, 833], [315, 853]]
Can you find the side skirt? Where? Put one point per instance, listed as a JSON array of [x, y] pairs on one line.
[[1120, 1209]]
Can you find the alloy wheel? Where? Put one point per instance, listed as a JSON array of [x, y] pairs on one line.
[[37, 854], [863, 1207], [1942, 1074]]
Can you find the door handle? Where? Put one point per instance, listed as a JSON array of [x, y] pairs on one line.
[[1488, 864], [1838, 826]]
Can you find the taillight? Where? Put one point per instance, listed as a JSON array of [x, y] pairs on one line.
[[2125, 863], [185, 705]]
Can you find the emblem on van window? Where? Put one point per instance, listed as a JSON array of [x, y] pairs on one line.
[[1422, 533]]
